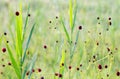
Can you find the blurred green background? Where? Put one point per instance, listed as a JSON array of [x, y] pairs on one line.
[[44, 11]]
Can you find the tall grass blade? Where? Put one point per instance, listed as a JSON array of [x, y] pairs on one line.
[[11, 20], [31, 63], [26, 22], [14, 63], [19, 34], [61, 71], [29, 38], [1, 39], [71, 13], [74, 19], [75, 44], [65, 30]]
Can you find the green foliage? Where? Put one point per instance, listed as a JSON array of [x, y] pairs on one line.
[[19, 60]]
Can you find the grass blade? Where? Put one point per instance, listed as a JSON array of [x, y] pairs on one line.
[[32, 62], [70, 13], [62, 61], [26, 21], [29, 38], [32, 65], [19, 34], [75, 44], [25, 70], [65, 30], [14, 63], [74, 19]]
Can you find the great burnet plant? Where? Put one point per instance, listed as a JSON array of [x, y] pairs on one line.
[[69, 34], [18, 57]]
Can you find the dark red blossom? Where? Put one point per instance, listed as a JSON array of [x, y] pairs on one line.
[[77, 68], [42, 77], [17, 13], [56, 74], [80, 65], [80, 27], [62, 64], [3, 50], [99, 66], [5, 33], [9, 63], [109, 18], [29, 15], [39, 70], [60, 75], [106, 66], [98, 18], [70, 67], [27, 73], [118, 73], [45, 47], [33, 70]]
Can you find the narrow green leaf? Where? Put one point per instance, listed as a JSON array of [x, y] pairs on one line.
[[75, 44], [14, 63], [65, 30], [26, 22], [61, 70], [70, 13], [10, 28], [25, 70], [19, 34], [1, 39], [29, 38], [31, 63], [74, 19]]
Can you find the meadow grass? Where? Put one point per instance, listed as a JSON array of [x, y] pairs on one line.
[[18, 59], [74, 39]]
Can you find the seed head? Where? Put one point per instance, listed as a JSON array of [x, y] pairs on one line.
[[98, 18], [1, 73], [29, 15], [9, 63], [7, 41], [45, 47], [27, 73], [3, 50], [39, 70], [60, 75], [109, 18], [50, 21], [118, 73], [3, 65], [42, 77], [106, 66], [5, 33], [56, 41], [97, 43], [70, 67], [80, 65], [62, 64], [33, 70], [110, 23], [17, 13], [108, 49], [77, 68], [56, 17], [107, 75], [99, 66], [56, 74], [80, 27]]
